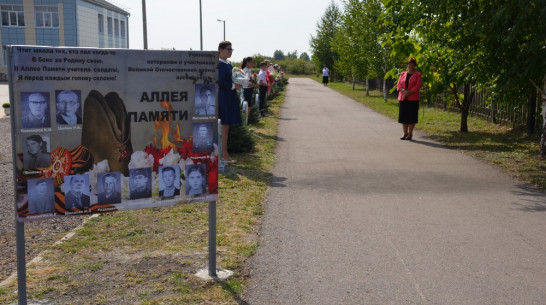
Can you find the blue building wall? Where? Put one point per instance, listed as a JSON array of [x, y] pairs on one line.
[[78, 26]]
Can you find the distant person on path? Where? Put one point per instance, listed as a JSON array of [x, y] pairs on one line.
[[325, 75], [408, 88], [228, 103], [246, 65]]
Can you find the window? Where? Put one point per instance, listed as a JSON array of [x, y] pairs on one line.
[[109, 20], [101, 23], [122, 27], [47, 16], [12, 15], [116, 27]]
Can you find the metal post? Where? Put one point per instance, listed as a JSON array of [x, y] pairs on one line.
[[144, 25], [223, 21], [19, 226], [212, 238], [201, 24], [21, 261]]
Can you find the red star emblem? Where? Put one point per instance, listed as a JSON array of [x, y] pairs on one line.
[[123, 153]]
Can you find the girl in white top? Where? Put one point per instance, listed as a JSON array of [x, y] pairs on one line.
[[325, 75], [248, 90]]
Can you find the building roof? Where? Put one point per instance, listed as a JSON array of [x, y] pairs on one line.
[[108, 5]]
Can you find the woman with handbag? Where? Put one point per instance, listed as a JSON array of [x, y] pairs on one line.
[[408, 87]]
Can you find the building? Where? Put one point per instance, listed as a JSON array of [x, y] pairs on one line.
[[73, 23]]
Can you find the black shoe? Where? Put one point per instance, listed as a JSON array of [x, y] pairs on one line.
[[404, 137], [409, 138]]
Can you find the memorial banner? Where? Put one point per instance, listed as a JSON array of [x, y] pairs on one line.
[[102, 130]]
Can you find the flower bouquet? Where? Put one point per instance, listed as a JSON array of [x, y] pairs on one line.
[[239, 77]]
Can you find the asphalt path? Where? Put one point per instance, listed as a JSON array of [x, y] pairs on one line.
[[357, 216]]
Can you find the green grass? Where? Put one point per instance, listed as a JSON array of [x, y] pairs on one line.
[[150, 256], [515, 152]]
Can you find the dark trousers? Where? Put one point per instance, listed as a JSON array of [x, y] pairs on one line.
[[247, 94], [262, 92]]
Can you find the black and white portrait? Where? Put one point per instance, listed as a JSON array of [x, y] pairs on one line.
[[69, 110], [203, 137], [109, 188], [196, 179], [169, 181], [205, 99], [76, 190], [140, 182], [36, 152], [35, 112], [41, 196]]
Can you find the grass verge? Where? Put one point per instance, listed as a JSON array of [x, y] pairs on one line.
[[514, 152], [150, 256]]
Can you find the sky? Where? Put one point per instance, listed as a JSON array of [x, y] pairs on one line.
[[253, 27]]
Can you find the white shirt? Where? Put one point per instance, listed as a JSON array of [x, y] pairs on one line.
[[249, 74], [262, 77]]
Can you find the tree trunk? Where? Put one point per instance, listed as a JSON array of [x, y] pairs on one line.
[[367, 88], [532, 111], [543, 130], [354, 81], [467, 100], [385, 89]]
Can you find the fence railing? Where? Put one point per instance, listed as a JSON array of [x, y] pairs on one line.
[[524, 117]]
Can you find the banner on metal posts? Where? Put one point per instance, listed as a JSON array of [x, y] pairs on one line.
[[102, 130]]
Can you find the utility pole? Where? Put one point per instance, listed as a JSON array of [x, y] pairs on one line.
[[144, 24]]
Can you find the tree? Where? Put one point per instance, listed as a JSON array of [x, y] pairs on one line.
[[438, 33], [350, 42], [494, 44], [278, 55], [323, 54], [304, 56]]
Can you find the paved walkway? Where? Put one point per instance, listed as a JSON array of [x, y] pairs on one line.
[[357, 216]]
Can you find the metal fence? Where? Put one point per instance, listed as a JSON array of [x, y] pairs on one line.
[[527, 116]]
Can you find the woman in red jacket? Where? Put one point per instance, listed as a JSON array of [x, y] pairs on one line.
[[408, 88]]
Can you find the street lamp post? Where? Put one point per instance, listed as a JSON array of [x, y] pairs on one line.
[[224, 27], [144, 25], [201, 24]]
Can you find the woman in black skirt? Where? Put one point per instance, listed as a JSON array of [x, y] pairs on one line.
[[408, 88]]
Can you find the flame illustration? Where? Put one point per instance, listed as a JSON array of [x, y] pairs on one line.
[[165, 128]]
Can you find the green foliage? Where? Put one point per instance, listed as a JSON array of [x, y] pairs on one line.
[[293, 55], [296, 66], [240, 139], [278, 55], [304, 56], [327, 26]]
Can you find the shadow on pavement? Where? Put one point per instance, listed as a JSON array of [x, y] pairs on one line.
[[535, 199]]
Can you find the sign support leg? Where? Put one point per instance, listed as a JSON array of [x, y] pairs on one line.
[[21, 263], [212, 238]]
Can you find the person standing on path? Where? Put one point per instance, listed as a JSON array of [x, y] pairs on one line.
[[325, 75], [228, 107], [408, 87]]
